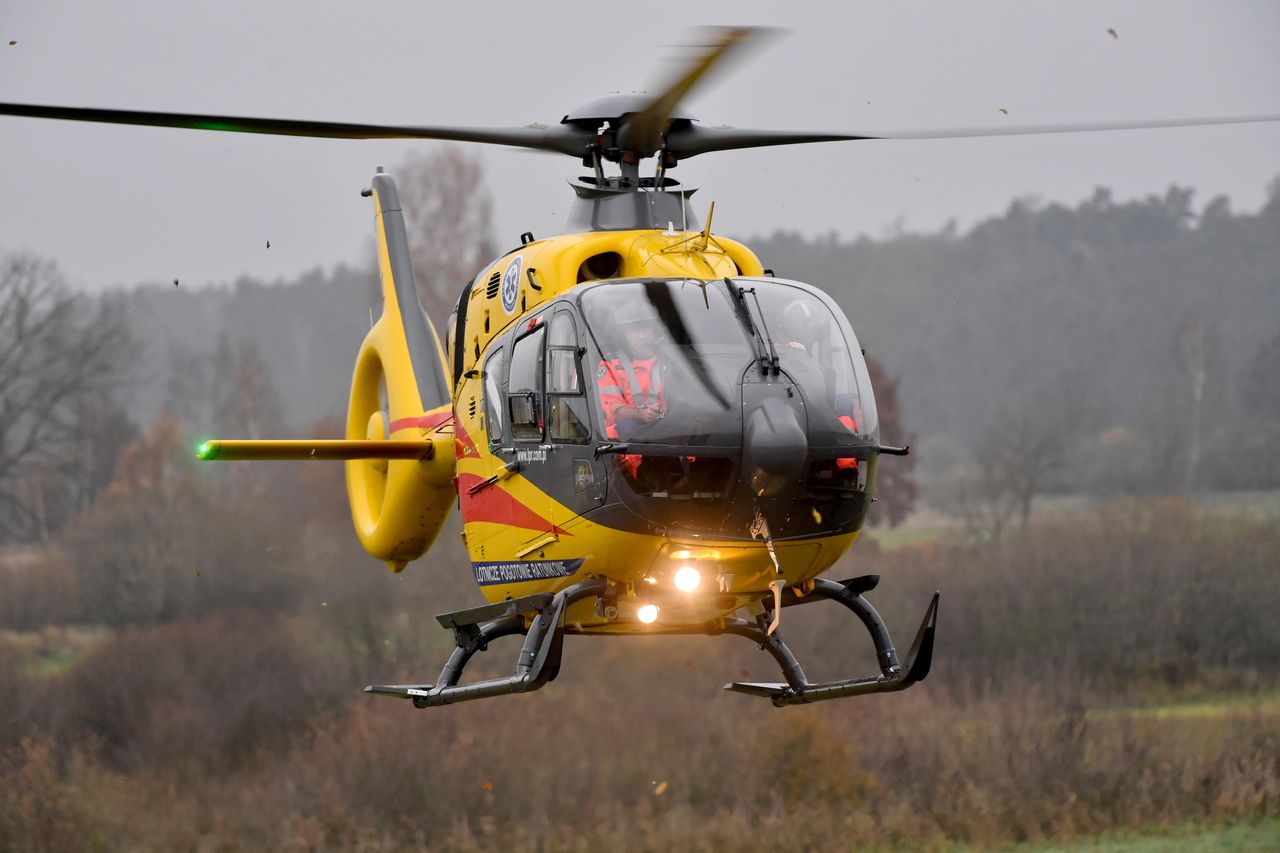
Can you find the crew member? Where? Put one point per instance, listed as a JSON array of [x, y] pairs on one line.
[[631, 382], [801, 321]]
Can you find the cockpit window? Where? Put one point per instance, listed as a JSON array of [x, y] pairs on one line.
[[568, 420], [493, 399], [675, 353], [524, 388], [683, 375], [673, 357], [822, 356]]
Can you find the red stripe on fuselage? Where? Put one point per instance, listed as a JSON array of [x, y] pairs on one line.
[[422, 421], [496, 505]]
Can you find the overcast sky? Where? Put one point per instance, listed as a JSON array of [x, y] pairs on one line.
[[119, 205]]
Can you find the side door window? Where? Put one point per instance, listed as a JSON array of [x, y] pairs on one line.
[[524, 389], [568, 421], [493, 409]]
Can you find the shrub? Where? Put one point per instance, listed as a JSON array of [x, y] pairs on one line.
[[206, 692]]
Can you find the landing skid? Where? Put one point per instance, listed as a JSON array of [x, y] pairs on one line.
[[798, 690], [473, 630], [539, 660]]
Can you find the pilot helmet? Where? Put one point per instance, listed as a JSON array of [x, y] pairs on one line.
[[631, 313], [804, 321]]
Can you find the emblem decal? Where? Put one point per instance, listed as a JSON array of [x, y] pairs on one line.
[[583, 478], [511, 285]]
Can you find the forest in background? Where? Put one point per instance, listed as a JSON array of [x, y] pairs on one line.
[[181, 645]]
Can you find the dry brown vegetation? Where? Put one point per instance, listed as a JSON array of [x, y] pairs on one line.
[[228, 719], [575, 770]]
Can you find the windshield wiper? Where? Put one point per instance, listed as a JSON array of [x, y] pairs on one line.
[[664, 306], [762, 343]]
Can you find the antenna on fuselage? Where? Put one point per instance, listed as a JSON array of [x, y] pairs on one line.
[[706, 232]]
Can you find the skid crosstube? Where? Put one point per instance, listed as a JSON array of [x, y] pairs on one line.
[[473, 629], [797, 690], [539, 658]]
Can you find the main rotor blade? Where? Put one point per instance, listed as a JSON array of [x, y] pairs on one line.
[[642, 131], [564, 139], [687, 141], [664, 306], [1077, 127], [635, 135]]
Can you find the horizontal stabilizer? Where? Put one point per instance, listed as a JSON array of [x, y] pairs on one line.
[[307, 449]]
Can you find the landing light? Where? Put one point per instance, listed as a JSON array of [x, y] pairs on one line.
[[648, 614], [687, 579]]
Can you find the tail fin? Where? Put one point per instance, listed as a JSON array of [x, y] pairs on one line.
[[399, 505], [399, 444]]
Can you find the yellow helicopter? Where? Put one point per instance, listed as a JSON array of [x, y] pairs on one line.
[[645, 431]]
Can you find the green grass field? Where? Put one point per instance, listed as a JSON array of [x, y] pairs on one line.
[[928, 526], [1230, 837], [1216, 708]]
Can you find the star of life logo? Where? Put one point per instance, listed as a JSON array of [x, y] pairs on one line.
[[511, 285]]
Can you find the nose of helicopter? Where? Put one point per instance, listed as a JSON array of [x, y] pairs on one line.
[[775, 445]]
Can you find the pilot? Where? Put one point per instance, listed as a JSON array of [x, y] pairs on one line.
[[802, 321], [631, 382]]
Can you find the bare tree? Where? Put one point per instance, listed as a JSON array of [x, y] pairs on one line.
[[188, 387], [242, 386], [61, 357], [1018, 455], [1031, 451], [1197, 347], [449, 215], [984, 498]]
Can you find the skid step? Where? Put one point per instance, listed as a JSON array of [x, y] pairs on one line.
[[535, 603], [399, 691]]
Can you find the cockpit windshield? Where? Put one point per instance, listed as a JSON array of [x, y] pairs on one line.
[[673, 357], [675, 353], [817, 349]]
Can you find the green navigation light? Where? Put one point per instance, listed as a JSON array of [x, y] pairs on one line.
[[216, 125], [205, 452]]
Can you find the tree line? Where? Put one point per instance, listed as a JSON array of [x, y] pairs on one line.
[[1106, 348]]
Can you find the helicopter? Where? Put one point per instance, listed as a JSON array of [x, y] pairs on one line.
[[645, 431]]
